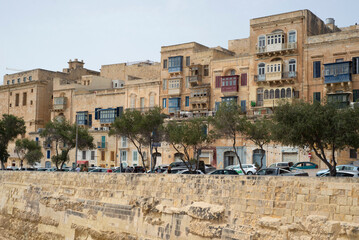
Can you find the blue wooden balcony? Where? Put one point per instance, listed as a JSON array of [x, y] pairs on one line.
[[337, 72]]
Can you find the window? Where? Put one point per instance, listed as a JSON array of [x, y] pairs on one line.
[[84, 155], [316, 97], [174, 104], [353, 153], [152, 100], [271, 94], [206, 70], [316, 69], [133, 101], [292, 65], [164, 84], [48, 154], [282, 93], [218, 81], [243, 105], [232, 72], [165, 63], [142, 103], [81, 118], [355, 65], [244, 79], [277, 93], [24, 98], [123, 156], [289, 93], [175, 64], [164, 102], [30, 78], [261, 41], [135, 158], [124, 142], [30, 102], [187, 82], [112, 156], [266, 94], [92, 155], [229, 99], [261, 68], [13, 81], [292, 36], [17, 99], [32, 90], [103, 155], [296, 94], [216, 105], [24, 79], [355, 95], [187, 101], [18, 80], [8, 82], [174, 84], [188, 61]]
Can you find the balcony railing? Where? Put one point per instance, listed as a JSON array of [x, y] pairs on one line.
[[277, 47], [275, 76], [101, 145], [337, 72]]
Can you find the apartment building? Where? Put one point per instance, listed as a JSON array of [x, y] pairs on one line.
[[287, 56]]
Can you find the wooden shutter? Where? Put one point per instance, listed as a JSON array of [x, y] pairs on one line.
[[316, 69], [218, 81], [355, 65], [244, 79]]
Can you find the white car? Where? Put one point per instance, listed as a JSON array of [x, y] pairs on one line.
[[250, 169]]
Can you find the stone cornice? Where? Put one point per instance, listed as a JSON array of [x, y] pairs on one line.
[[281, 21]]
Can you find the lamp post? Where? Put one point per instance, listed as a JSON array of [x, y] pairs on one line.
[[77, 136]]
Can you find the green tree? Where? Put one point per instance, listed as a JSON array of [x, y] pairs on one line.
[[321, 127], [28, 150], [63, 135], [259, 132], [140, 128], [10, 127], [229, 123], [188, 135]]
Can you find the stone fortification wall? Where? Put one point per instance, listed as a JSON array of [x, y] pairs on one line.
[[138, 206]]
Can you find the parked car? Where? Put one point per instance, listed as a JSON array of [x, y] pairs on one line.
[[176, 170], [284, 165], [99, 170], [209, 168], [305, 165], [42, 169], [188, 172], [340, 168], [224, 172], [342, 174], [248, 168], [280, 172]]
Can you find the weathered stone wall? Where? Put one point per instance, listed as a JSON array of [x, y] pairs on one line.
[[138, 206]]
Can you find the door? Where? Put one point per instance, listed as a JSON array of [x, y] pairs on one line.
[[257, 154], [290, 157], [229, 158]]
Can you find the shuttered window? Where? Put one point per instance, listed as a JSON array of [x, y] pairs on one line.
[[355, 95], [244, 79], [316, 97], [218, 81], [355, 65]]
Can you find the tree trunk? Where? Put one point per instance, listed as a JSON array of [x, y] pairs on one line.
[[262, 150], [235, 152], [2, 165]]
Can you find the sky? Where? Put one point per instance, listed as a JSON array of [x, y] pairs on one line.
[[48, 33]]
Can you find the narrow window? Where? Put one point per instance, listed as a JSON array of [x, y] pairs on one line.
[[17, 99], [164, 84], [103, 155], [205, 70], [24, 98], [316, 97], [112, 156], [188, 61], [165, 63], [164, 102], [92, 155], [277, 93], [84, 155], [187, 101], [316, 69]]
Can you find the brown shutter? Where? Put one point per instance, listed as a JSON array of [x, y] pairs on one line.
[[244, 79]]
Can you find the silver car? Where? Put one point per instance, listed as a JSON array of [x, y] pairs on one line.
[[342, 174], [340, 168], [250, 169]]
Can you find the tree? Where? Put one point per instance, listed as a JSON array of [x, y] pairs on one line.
[[321, 127], [229, 123], [63, 135], [258, 131], [140, 128], [10, 127], [188, 135], [28, 150]]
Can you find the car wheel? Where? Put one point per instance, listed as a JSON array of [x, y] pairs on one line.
[[249, 173]]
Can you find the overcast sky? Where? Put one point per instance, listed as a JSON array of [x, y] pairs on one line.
[[47, 33]]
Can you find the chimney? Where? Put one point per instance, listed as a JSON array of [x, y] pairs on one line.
[[330, 23], [76, 64]]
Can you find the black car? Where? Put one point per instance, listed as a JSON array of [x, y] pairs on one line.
[[280, 172], [223, 172]]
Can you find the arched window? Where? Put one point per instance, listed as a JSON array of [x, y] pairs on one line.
[[292, 65], [271, 94], [282, 93], [266, 94], [292, 36], [232, 72], [289, 93], [277, 93], [261, 68]]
